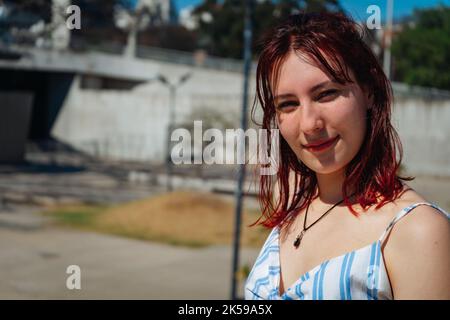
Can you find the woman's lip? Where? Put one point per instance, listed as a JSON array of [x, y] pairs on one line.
[[322, 146]]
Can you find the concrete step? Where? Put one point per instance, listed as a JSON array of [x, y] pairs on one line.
[[21, 218]]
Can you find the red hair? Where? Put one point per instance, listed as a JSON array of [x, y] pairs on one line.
[[335, 44]]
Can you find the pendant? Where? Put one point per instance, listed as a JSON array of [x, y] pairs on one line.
[[298, 240]]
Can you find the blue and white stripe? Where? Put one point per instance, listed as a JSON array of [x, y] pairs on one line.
[[345, 279], [359, 274]]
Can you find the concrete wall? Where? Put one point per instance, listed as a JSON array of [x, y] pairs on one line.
[[133, 124], [125, 124], [423, 124], [15, 111]]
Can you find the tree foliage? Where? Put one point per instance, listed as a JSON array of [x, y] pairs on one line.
[[221, 23], [422, 50], [173, 37], [23, 13]]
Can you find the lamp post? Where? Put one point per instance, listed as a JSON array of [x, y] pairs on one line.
[[388, 39], [172, 96], [239, 191]]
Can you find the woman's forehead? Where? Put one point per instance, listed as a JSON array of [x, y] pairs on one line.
[[296, 69]]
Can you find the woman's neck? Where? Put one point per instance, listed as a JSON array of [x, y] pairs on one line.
[[330, 186]]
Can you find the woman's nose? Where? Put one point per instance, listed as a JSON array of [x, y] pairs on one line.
[[310, 120]]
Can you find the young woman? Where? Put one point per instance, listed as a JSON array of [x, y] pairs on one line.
[[347, 226]]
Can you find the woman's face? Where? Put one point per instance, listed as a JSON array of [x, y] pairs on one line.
[[323, 122]]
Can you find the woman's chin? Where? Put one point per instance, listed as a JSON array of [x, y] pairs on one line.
[[325, 167]]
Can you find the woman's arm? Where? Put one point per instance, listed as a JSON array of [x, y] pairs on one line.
[[417, 255]]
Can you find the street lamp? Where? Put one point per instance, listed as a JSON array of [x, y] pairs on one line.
[[388, 39], [248, 34], [172, 90]]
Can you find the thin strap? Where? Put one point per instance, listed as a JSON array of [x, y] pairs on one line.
[[407, 210]]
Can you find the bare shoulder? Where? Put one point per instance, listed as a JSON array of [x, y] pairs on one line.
[[418, 248], [421, 225]]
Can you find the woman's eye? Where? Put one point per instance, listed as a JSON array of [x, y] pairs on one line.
[[284, 106], [327, 95]]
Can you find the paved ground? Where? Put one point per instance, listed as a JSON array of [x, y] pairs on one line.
[[34, 257], [34, 254], [61, 175]]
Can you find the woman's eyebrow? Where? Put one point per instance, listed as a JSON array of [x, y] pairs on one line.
[[311, 91], [320, 85], [284, 96]]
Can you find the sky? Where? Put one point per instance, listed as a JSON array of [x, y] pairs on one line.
[[357, 8]]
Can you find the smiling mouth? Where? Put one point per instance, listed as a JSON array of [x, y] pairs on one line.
[[322, 146]]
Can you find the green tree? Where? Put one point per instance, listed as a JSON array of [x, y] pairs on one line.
[[422, 50], [97, 25], [170, 36], [221, 23]]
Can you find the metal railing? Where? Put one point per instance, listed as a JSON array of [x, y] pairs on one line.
[[172, 56]]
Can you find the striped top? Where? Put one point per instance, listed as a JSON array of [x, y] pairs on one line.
[[356, 275]]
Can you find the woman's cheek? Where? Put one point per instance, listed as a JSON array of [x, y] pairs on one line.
[[289, 130], [351, 126], [346, 115]]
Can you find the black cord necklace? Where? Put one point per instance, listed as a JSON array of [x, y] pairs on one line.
[[299, 237]]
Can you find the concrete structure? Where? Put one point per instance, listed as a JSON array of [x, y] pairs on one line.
[[60, 34], [114, 107], [15, 110], [133, 124], [422, 118]]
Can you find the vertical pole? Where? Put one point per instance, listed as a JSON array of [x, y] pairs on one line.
[[169, 131], [130, 49], [241, 144], [388, 39]]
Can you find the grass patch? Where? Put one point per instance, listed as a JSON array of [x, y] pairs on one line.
[[76, 216], [180, 218]]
